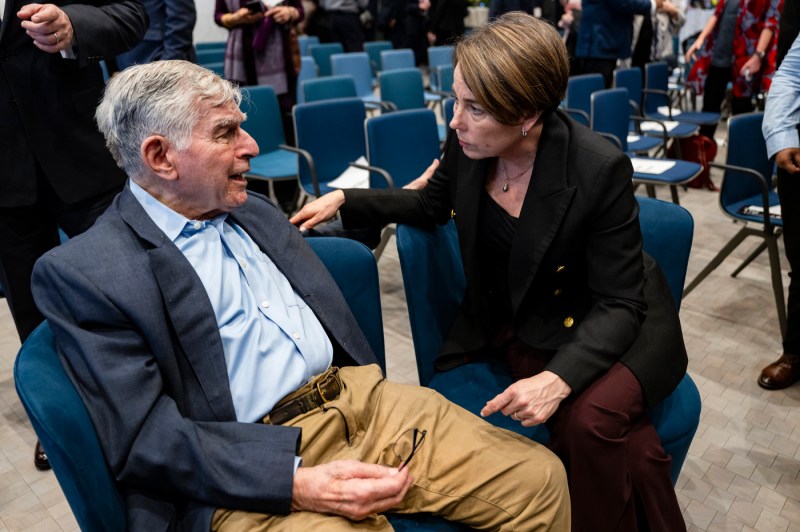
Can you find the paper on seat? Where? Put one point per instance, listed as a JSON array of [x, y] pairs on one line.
[[353, 177], [654, 126], [650, 166]]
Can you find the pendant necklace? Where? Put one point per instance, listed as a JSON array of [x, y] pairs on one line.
[[506, 179]]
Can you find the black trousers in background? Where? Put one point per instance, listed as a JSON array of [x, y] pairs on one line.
[[592, 65], [27, 233], [346, 29], [789, 192], [714, 93]]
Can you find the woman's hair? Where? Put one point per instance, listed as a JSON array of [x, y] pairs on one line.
[[516, 66], [158, 98]]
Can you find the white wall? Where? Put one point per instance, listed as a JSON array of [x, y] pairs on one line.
[[205, 29]]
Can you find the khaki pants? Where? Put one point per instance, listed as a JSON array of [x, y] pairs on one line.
[[466, 469]]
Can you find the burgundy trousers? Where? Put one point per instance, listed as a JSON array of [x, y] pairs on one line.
[[618, 471]]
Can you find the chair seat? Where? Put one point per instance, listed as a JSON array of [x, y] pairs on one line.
[[690, 117], [733, 208], [278, 164], [641, 143], [680, 131], [424, 523], [682, 172]]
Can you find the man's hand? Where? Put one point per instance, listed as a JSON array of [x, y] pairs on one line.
[[48, 26], [320, 210], [789, 160], [349, 488], [531, 401]]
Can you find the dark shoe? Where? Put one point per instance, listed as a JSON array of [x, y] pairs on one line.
[[40, 458], [781, 374]]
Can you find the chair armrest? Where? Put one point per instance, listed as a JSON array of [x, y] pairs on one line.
[[577, 112], [310, 160], [615, 140], [639, 119], [762, 181], [635, 106], [380, 171], [665, 94]]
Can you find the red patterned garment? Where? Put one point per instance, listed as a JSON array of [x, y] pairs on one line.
[[754, 16]]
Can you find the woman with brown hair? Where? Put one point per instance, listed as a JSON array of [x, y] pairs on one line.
[[557, 284]]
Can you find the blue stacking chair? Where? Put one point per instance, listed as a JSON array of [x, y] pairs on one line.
[[448, 110], [373, 49], [304, 41], [324, 155], [439, 56], [356, 65], [578, 99], [328, 88], [403, 88], [397, 59], [631, 79], [264, 124], [308, 70], [62, 423], [433, 279], [609, 118], [210, 56], [322, 55], [211, 45], [658, 98], [747, 181]]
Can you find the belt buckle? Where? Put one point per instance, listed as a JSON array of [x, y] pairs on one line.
[[318, 384]]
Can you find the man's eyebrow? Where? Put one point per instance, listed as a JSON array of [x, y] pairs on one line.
[[226, 123]]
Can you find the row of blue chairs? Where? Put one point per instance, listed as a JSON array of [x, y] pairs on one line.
[[433, 281]]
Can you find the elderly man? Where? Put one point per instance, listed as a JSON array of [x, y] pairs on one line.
[[204, 337]]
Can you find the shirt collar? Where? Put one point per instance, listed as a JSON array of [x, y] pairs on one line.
[[169, 221]]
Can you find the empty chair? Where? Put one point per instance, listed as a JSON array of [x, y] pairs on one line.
[[322, 55], [327, 88], [304, 41], [579, 91], [329, 135], [403, 88], [373, 50], [211, 45], [438, 56], [356, 65], [397, 59], [265, 125], [448, 110], [658, 99], [609, 118], [747, 182], [210, 56], [308, 70]]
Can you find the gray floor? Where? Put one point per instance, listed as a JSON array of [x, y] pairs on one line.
[[742, 470]]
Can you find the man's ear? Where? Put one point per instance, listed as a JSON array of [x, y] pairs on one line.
[[156, 152]]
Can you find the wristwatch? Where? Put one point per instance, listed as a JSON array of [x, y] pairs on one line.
[[760, 54]]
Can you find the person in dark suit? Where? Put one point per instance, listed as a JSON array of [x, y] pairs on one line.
[[56, 169], [446, 21], [205, 336], [169, 35], [499, 7], [557, 283]]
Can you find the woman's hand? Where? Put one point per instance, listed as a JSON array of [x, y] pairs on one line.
[[692, 51], [283, 14], [530, 401], [320, 210], [751, 67], [240, 17]]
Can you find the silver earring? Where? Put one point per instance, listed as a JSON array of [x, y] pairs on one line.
[[524, 133]]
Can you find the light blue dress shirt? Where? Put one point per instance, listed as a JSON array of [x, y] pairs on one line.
[[782, 113], [273, 342]]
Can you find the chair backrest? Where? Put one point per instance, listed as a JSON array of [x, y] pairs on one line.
[[433, 275], [403, 88], [444, 75], [308, 70], [62, 424], [328, 88], [210, 55], [332, 131], [373, 50], [304, 41], [211, 45], [264, 121], [667, 234], [631, 79], [322, 55], [405, 160], [609, 114], [448, 110], [356, 65], [656, 76], [580, 89], [395, 59], [748, 149], [440, 56]]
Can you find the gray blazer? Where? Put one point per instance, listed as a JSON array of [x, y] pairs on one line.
[[137, 335]]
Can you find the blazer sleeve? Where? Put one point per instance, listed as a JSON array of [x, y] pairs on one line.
[[106, 30], [147, 442]]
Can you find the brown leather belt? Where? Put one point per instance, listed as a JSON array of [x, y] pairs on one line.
[[322, 392]]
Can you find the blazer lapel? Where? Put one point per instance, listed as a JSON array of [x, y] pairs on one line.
[[188, 307], [543, 209], [471, 180]]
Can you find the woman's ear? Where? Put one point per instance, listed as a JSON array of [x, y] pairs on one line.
[[529, 123], [156, 152]]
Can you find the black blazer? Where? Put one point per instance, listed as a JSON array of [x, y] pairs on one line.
[[578, 281], [47, 103]]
